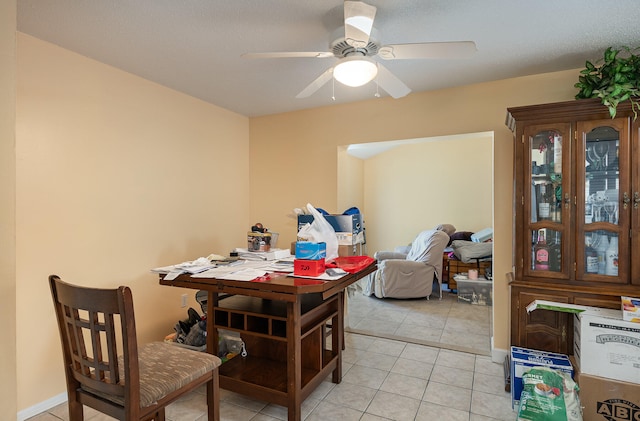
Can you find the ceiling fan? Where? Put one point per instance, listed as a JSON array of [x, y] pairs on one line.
[[357, 47]]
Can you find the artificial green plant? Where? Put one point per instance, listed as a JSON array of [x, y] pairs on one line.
[[615, 78]]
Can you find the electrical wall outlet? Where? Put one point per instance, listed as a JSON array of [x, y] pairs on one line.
[[183, 302]]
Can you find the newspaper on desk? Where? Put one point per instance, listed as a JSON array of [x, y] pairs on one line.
[[240, 270], [271, 255], [324, 277], [331, 274], [201, 264]]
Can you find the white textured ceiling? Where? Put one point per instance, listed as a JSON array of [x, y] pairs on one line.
[[195, 46]]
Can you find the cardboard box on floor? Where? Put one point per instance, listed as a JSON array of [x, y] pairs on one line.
[[608, 400], [604, 345], [523, 359]]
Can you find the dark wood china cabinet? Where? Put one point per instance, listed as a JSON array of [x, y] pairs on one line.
[[577, 216]]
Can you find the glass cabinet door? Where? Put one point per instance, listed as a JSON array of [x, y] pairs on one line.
[[603, 204], [547, 210]]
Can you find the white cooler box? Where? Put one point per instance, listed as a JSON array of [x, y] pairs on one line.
[[605, 345]]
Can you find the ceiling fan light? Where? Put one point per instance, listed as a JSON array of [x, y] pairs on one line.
[[355, 71]]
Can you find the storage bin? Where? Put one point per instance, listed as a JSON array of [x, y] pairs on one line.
[[171, 339], [478, 291]]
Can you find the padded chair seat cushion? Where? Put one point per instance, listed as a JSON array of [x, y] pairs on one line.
[[165, 368]]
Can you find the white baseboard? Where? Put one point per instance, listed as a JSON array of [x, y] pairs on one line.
[[41, 407], [498, 355]]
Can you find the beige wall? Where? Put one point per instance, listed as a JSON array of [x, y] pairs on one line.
[[350, 188], [7, 210], [300, 148], [416, 186], [115, 175]]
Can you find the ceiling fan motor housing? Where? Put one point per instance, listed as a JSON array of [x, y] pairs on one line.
[[341, 48]]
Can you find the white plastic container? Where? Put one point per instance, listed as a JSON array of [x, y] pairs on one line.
[[476, 292]]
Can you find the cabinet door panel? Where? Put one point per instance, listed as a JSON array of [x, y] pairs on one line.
[[602, 201], [635, 209], [542, 329], [546, 213]]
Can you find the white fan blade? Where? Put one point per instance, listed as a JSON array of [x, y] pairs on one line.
[[454, 49], [391, 84], [316, 84], [310, 54], [358, 21]]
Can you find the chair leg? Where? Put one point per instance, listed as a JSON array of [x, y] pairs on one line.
[[213, 398], [160, 415], [76, 412]]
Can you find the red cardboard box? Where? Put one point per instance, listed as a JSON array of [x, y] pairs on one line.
[[304, 267], [608, 400]]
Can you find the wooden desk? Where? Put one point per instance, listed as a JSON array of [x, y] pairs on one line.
[[282, 321]]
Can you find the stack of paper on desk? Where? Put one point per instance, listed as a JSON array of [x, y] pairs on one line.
[[273, 254], [243, 270], [240, 270], [196, 266]]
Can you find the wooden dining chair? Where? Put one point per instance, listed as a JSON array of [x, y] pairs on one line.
[[106, 370]]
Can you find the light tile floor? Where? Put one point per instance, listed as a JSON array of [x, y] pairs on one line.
[[444, 323], [383, 379]]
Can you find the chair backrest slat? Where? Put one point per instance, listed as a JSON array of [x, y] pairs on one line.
[[96, 344], [112, 357]]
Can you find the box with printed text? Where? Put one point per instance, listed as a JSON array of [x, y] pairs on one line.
[[522, 359], [304, 267], [605, 345], [630, 309], [349, 228], [608, 400], [310, 250]]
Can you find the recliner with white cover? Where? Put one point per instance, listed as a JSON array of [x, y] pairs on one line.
[[411, 273]]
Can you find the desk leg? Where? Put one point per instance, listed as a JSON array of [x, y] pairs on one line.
[[212, 332], [294, 361], [342, 309], [337, 337]]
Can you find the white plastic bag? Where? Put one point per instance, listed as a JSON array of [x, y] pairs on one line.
[[320, 231]]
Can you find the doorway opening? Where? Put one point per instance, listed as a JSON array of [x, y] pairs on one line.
[[406, 186]]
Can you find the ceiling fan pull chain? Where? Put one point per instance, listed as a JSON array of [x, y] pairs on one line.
[[377, 94]]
